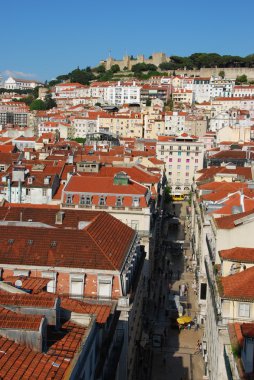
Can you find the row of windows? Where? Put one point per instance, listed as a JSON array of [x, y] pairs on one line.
[[87, 200]]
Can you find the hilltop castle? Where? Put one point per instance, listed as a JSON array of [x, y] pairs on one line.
[[128, 61]]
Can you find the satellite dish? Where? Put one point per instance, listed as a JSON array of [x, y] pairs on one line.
[[18, 283]]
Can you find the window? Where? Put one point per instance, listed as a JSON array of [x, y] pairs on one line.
[[102, 200], [169, 173], [196, 161], [170, 167], [197, 148], [170, 160], [178, 167], [82, 200], [187, 167], [28, 191], [135, 202], [104, 286], [171, 147], [188, 154], [21, 272], [179, 148], [187, 160], [76, 286], [187, 174], [44, 192], [51, 286], [179, 160], [244, 310], [69, 199], [179, 153], [188, 147], [196, 154], [119, 201]]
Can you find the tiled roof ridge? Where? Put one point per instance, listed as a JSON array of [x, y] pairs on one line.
[[106, 215], [98, 246]]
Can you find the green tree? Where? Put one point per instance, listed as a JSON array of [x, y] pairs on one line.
[[49, 102], [222, 74], [167, 194], [37, 104], [100, 69], [115, 68], [241, 79]]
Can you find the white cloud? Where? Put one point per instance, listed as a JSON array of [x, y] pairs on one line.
[[18, 74]]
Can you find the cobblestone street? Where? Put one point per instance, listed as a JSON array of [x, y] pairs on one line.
[[170, 354]]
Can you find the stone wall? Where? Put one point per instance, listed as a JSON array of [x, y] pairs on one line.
[[231, 72]]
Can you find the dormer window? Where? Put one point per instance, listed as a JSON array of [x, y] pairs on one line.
[[119, 201], [69, 198], [135, 202], [102, 200], [85, 200]]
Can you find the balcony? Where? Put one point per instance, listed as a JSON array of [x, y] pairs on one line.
[[102, 207], [69, 205]]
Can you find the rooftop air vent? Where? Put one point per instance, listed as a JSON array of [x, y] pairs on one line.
[[53, 243]]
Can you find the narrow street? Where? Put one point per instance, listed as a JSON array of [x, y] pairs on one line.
[[170, 353]]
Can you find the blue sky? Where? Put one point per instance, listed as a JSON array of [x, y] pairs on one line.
[[52, 38]]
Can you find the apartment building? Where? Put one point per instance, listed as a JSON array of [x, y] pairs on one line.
[[183, 156], [174, 122], [122, 125], [149, 92], [182, 96], [83, 254], [123, 93]]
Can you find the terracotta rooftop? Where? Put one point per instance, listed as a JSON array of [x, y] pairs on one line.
[[228, 222], [135, 173], [247, 330], [102, 185], [239, 285], [239, 254], [19, 362], [103, 244], [12, 320], [46, 214], [28, 300], [35, 284], [102, 311]]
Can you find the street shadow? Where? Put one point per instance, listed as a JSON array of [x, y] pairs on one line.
[[161, 310]]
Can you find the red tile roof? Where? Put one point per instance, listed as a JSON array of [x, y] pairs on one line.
[[227, 222], [103, 244], [19, 362], [247, 330], [102, 312], [28, 300], [239, 285], [239, 254], [102, 185], [36, 284], [12, 320]]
